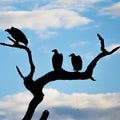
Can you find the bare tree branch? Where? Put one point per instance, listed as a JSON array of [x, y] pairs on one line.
[[32, 106], [32, 67], [45, 115], [36, 87], [11, 39], [19, 72]]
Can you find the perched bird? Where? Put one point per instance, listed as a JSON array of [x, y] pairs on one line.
[[18, 35], [76, 62], [57, 60]]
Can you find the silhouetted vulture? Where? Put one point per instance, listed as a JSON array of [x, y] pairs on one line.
[[57, 60], [18, 35], [76, 62]]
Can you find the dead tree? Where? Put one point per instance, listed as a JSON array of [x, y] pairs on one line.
[[36, 86]]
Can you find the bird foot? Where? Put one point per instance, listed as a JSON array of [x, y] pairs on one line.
[[16, 44]]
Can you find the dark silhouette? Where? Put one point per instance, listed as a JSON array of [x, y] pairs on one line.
[[57, 60], [18, 35], [76, 62], [44, 115], [102, 43], [36, 86]]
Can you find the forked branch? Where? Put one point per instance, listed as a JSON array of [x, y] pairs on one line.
[[36, 87], [32, 67]]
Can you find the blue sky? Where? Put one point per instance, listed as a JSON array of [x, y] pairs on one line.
[[71, 27]]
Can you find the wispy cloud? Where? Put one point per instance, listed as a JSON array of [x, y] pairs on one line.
[[45, 49], [112, 10], [89, 55], [77, 5], [77, 44], [46, 34], [6, 5], [74, 106]]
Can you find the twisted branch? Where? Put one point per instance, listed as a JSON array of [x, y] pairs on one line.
[[36, 87]]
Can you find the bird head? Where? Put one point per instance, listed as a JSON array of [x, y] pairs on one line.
[[7, 30], [13, 28], [71, 55], [55, 51]]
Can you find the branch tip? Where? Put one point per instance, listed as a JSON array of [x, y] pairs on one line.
[[45, 115], [92, 78], [20, 73]]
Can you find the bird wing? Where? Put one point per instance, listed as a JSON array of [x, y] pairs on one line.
[[60, 59], [79, 62], [74, 62], [18, 35], [57, 61]]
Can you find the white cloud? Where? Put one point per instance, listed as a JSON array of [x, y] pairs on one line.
[[13, 106], [113, 10], [42, 19], [44, 15], [76, 106], [85, 100]]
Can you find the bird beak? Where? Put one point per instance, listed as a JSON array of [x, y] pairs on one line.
[[70, 55], [53, 50], [7, 30]]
